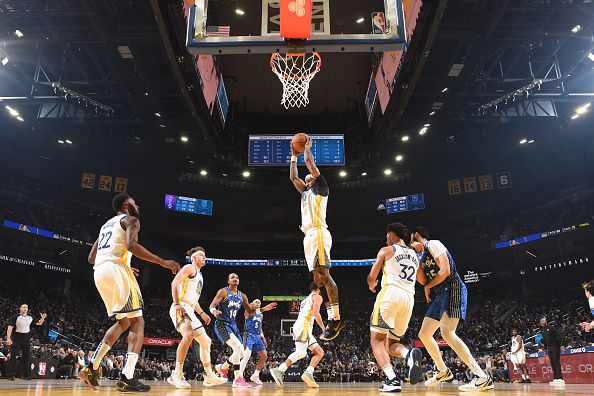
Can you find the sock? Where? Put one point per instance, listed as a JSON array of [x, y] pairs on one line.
[[100, 352], [389, 371], [131, 359], [236, 373], [257, 373], [179, 367], [335, 311], [283, 367], [330, 312], [523, 377], [407, 355], [226, 365], [209, 372], [309, 370]]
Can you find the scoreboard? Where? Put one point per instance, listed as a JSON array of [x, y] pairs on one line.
[[275, 150], [178, 203], [405, 204]]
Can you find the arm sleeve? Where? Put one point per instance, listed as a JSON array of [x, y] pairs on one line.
[[320, 186], [436, 248]]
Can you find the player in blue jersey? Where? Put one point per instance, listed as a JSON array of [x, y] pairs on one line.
[[225, 306], [254, 341], [445, 311], [589, 291]]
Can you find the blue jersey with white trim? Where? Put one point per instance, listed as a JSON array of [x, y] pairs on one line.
[[230, 306], [253, 324], [430, 267]]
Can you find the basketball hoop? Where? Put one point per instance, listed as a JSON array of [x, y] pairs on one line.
[[295, 71]]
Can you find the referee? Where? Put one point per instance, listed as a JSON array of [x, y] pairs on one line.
[[21, 340]]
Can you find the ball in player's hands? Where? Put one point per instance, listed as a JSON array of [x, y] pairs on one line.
[[298, 143]]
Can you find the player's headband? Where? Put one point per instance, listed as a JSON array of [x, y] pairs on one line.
[[257, 300], [194, 254]]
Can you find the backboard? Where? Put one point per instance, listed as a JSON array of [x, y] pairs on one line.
[[253, 27]]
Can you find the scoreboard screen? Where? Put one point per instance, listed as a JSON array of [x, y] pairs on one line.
[[275, 150], [178, 203], [405, 204]]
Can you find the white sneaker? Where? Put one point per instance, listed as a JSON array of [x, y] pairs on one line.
[[214, 380], [478, 384], [178, 380], [557, 382], [439, 377]]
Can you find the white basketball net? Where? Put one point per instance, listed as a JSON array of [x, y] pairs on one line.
[[295, 71]]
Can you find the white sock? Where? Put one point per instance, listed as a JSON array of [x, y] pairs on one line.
[[330, 312], [257, 373], [283, 367], [100, 352], [179, 367], [389, 371], [405, 353], [523, 377], [335, 311], [131, 359], [309, 370]]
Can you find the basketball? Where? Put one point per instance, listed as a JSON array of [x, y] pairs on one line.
[[298, 142]]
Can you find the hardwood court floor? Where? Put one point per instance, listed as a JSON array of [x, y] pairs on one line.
[[160, 388]]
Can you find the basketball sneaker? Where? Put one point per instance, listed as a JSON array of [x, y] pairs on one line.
[[89, 376], [308, 378], [278, 377], [557, 382], [131, 385], [415, 372], [241, 383], [392, 385], [178, 380], [478, 384], [222, 372], [439, 377], [256, 379], [332, 329], [214, 380]]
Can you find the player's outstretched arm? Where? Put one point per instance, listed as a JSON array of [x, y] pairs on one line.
[[93, 252], [268, 307], [132, 226], [216, 301], [309, 159], [376, 268], [317, 302], [294, 173]]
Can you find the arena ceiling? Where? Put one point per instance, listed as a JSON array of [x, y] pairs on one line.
[[129, 56]]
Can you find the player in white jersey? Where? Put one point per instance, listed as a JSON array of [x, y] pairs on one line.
[[317, 241], [393, 306], [114, 278], [518, 356], [186, 288], [589, 292], [303, 336]]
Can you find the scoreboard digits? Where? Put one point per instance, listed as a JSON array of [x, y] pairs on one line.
[[275, 150], [188, 205]]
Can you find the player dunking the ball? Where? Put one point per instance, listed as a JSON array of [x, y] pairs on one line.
[[317, 241], [445, 311], [114, 278], [185, 290], [225, 306], [254, 341]]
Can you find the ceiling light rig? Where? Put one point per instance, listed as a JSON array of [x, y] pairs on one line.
[[520, 93], [80, 98]]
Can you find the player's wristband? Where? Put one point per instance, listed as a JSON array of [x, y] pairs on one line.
[[212, 310], [201, 313], [293, 158]]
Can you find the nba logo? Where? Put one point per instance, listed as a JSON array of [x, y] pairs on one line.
[[378, 22], [41, 370]]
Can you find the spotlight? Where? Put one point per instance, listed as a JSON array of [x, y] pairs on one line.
[[61, 141], [576, 29], [404, 138], [399, 158], [184, 139], [203, 172], [246, 173], [68, 141], [364, 174], [12, 112], [530, 141], [387, 172], [162, 126], [523, 141], [591, 56], [239, 11], [573, 117], [157, 115], [18, 33], [360, 20], [4, 61], [444, 90], [423, 131], [342, 173], [20, 119], [432, 113], [427, 125], [583, 109]]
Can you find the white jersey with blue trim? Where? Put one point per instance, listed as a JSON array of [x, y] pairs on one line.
[[111, 244], [591, 302], [190, 289], [313, 210], [401, 269]]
